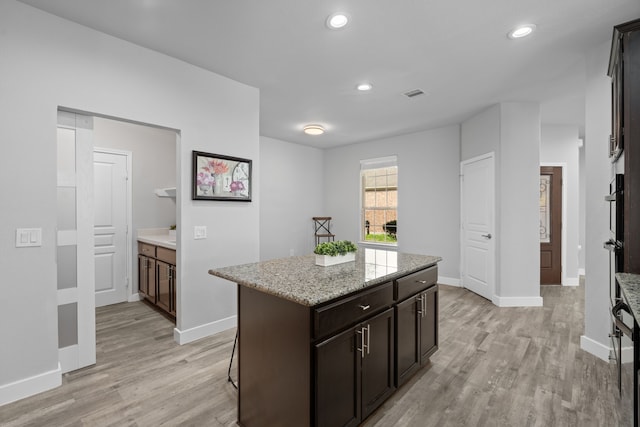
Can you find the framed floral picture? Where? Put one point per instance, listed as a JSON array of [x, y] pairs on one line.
[[217, 177]]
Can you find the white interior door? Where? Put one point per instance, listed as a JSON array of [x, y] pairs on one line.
[[477, 221], [111, 225], [74, 242]]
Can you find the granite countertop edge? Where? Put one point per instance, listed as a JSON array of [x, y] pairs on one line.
[[298, 295], [630, 286]]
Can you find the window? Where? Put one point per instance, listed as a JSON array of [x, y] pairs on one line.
[[379, 178]]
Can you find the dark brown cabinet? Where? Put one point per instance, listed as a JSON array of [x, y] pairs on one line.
[[156, 276], [355, 371], [416, 321], [147, 277], [334, 363]]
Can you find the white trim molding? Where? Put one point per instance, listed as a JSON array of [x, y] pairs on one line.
[[29, 386], [594, 347], [571, 281], [517, 301], [208, 329], [449, 281]]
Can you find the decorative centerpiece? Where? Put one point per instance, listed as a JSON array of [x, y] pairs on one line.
[[332, 253]]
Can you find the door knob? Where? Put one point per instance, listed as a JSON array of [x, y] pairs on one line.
[[488, 236]]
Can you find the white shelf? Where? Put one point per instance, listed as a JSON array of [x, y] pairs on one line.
[[166, 192]]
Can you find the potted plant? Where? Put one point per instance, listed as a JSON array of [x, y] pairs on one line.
[[331, 253]]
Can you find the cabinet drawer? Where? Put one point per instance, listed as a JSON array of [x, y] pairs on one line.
[[147, 249], [166, 255], [350, 310], [415, 282]]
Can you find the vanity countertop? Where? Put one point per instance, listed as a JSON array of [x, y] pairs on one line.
[[158, 237]]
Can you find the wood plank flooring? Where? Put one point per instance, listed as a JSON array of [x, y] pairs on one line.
[[495, 367]]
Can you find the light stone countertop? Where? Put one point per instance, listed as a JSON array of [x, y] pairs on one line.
[[300, 280], [157, 236], [630, 286]]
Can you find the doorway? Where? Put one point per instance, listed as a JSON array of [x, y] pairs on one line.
[[477, 184], [550, 225]]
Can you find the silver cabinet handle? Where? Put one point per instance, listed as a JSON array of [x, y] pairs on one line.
[[424, 303], [421, 305], [421, 281], [364, 307], [488, 236], [368, 338], [362, 345]]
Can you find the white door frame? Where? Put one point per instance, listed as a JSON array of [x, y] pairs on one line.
[[493, 241], [129, 246], [563, 237]]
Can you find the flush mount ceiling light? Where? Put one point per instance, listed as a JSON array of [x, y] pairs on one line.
[[313, 130], [521, 31], [363, 87], [337, 20]]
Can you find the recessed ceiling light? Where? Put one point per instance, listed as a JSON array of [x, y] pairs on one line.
[[313, 130], [521, 31], [337, 20], [364, 87]]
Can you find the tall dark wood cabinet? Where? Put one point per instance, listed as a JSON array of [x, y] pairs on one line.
[[624, 70]]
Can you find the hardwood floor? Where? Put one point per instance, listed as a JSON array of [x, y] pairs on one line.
[[495, 367]]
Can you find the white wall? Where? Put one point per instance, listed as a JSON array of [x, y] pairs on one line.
[[512, 132], [560, 146], [153, 155], [598, 167], [429, 191], [48, 62], [292, 187]]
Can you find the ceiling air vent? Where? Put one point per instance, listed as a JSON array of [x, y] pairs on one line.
[[413, 93]]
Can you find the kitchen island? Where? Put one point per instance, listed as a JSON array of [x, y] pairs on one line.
[[325, 346]]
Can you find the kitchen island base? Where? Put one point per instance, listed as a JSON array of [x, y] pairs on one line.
[[335, 362]]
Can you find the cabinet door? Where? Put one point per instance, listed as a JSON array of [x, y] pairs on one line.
[[163, 299], [407, 339], [337, 382], [172, 284], [151, 280], [378, 361], [429, 324], [142, 276]]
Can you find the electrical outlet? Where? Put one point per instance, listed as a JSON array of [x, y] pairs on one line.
[[200, 232]]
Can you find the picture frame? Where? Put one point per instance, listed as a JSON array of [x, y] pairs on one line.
[[219, 177]]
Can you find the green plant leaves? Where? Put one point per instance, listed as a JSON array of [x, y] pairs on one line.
[[341, 247]]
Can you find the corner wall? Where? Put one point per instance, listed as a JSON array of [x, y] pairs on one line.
[[598, 175], [512, 132], [292, 193], [428, 194], [48, 62]]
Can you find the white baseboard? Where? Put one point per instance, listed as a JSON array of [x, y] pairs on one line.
[[571, 281], [208, 329], [135, 297], [517, 301], [449, 281], [594, 347], [29, 386], [581, 272]]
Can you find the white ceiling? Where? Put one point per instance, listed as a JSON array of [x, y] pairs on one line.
[[454, 50]]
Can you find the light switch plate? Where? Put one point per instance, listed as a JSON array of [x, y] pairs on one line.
[[28, 237], [200, 232]]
